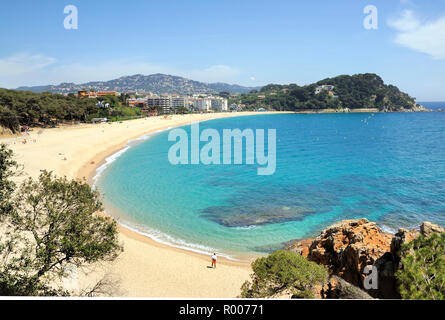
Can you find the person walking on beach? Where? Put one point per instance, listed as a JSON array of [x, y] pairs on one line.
[[214, 260]]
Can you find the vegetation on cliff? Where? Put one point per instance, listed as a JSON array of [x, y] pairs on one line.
[[409, 264], [47, 227], [283, 272], [353, 92], [423, 273]]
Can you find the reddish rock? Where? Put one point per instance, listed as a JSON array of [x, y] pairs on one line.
[[347, 247], [301, 247]]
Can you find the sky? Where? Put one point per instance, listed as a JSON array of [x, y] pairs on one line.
[[246, 42]]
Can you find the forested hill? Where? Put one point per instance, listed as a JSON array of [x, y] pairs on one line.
[[155, 83], [351, 92]]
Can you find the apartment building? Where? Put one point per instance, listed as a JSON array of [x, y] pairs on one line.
[[171, 104], [163, 102], [219, 104]]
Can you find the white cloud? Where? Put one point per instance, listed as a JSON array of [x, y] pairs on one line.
[[252, 78], [23, 63], [30, 70], [406, 22], [426, 37]]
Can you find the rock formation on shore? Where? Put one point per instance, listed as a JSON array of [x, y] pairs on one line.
[[347, 247]]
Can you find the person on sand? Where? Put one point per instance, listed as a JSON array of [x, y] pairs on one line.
[[214, 260]]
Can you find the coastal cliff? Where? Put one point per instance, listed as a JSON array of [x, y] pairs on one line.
[[347, 247]]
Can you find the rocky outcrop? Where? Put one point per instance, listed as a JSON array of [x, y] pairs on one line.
[[337, 288], [405, 235], [428, 228], [347, 247], [300, 247], [401, 237], [419, 108]]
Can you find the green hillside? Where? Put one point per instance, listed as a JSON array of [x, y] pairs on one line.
[[353, 92]]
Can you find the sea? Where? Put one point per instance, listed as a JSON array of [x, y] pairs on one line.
[[386, 167]]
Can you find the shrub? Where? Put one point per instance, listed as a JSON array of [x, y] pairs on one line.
[[283, 272], [423, 273]]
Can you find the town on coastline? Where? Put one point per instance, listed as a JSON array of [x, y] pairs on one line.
[[124, 100], [150, 103], [154, 104]]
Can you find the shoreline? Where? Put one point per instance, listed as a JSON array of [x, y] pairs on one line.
[[235, 114], [88, 172], [145, 268]]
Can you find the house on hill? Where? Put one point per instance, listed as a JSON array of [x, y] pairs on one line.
[[324, 87]]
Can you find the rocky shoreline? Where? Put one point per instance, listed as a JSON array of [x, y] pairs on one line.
[[347, 247]]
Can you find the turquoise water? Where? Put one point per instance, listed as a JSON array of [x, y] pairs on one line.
[[389, 168]]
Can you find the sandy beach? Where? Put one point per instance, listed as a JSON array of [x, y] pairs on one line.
[[145, 268]]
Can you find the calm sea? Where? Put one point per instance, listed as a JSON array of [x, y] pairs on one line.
[[389, 168]]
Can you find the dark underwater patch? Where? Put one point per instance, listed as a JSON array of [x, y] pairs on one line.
[[246, 217]]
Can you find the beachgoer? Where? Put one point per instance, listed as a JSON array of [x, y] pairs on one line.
[[214, 260]]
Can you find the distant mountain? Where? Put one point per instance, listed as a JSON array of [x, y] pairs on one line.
[[155, 83]]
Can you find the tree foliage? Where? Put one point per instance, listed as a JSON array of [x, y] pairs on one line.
[[423, 273], [43, 109], [283, 272], [53, 223], [7, 166], [353, 92]]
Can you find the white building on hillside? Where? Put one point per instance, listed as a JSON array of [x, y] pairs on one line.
[[325, 87]]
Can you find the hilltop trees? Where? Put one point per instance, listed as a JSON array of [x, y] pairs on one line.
[[357, 91], [46, 226]]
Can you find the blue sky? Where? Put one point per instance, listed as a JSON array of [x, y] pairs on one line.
[[246, 42]]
